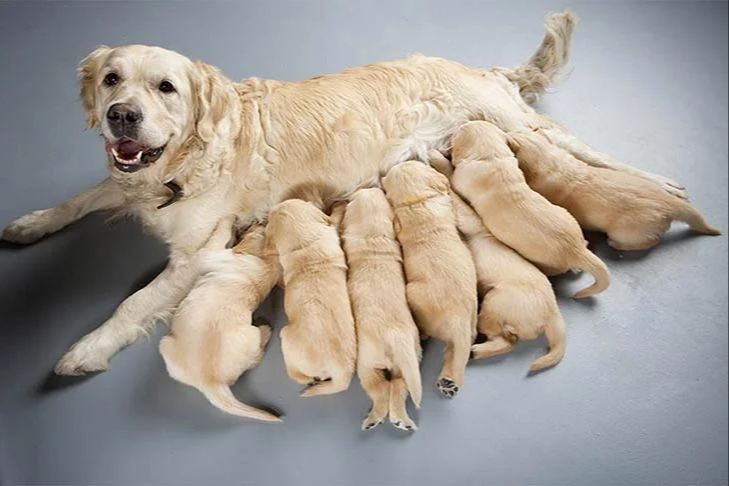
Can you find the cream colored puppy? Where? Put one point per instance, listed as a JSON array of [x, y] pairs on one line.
[[633, 211], [211, 341], [318, 343], [387, 337], [519, 302], [487, 174], [441, 278]]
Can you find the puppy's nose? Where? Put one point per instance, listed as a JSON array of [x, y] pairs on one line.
[[123, 117]]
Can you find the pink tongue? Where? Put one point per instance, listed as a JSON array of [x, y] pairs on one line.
[[128, 149]]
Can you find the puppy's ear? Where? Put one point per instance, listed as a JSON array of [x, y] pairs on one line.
[[396, 224], [513, 142], [214, 99], [442, 185], [87, 73]]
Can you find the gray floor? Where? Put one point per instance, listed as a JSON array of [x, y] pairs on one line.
[[641, 396]]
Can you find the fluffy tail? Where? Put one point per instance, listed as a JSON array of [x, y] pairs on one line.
[[221, 396], [336, 384], [556, 336], [552, 54], [405, 358], [592, 264], [695, 220]]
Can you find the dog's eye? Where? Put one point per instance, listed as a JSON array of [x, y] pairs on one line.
[[166, 87], [111, 79]]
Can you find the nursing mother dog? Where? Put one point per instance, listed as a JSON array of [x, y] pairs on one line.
[[186, 147]]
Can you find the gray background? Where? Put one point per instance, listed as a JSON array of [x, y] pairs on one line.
[[641, 396]]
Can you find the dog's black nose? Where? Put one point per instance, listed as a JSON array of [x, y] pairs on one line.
[[123, 118]]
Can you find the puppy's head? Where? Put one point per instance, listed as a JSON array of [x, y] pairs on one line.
[[150, 103], [412, 182], [527, 144], [368, 214], [295, 224], [479, 140]]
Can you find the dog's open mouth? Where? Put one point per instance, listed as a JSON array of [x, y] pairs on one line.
[[130, 156]]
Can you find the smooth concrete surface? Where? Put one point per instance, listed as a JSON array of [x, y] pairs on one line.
[[640, 398]]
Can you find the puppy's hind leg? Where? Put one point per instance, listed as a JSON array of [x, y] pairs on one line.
[[497, 346], [457, 353], [378, 389], [398, 410], [337, 383]]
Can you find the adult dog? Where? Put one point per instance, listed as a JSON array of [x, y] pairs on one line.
[[187, 146]]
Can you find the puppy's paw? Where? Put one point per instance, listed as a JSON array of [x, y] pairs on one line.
[[405, 423], [447, 387], [372, 421], [83, 357], [29, 228], [672, 187]]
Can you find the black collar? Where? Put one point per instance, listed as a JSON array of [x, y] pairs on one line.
[[176, 194]]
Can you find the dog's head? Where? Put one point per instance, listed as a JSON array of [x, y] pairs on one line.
[[412, 182], [479, 140], [368, 214], [150, 103], [295, 224]]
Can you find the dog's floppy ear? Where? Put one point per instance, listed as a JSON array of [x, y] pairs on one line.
[[214, 99], [442, 185], [87, 71]]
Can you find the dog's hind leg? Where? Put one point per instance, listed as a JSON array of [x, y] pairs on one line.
[[451, 377], [494, 347], [378, 389], [398, 410]]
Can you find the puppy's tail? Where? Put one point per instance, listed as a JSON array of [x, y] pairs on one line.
[[404, 350], [336, 384], [221, 396], [688, 214], [552, 54], [556, 336], [592, 264]]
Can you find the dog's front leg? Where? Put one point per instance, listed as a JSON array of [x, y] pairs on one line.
[[35, 225], [134, 318]]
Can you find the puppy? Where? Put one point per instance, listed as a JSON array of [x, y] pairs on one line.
[[519, 302], [212, 341], [318, 344], [633, 211], [387, 337], [441, 278], [487, 174]]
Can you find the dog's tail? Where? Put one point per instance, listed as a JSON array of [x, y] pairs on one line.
[[556, 334], [222, 397], [590, 263], [335, 384], [551, 55], [696, 221], [404, 350]]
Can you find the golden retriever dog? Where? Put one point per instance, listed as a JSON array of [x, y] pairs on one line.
[[518, 300], [388, 343], [212, 340], [632, 211], [186, 146], [441, 278], [318, 343], [487, 174]]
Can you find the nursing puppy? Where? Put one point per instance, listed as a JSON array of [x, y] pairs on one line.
[[387, 337], [441, 278], [519, 302], [633, 211], [487, 174], [211, 341], [318, 343]]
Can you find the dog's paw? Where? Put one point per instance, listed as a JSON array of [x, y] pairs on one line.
[[672, 187], [447, 387], [83, 357], [29, 228], [371, 422], [405, 423]]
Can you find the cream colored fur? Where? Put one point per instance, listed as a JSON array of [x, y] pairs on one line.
[[387, 337], [487, 174], [441, 278], [211, 340], [633, 211], [239, 148], [518, 300], [318, 343]]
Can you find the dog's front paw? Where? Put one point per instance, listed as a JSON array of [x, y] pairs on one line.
[[447, 387], [29, 228], [83, 357]]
